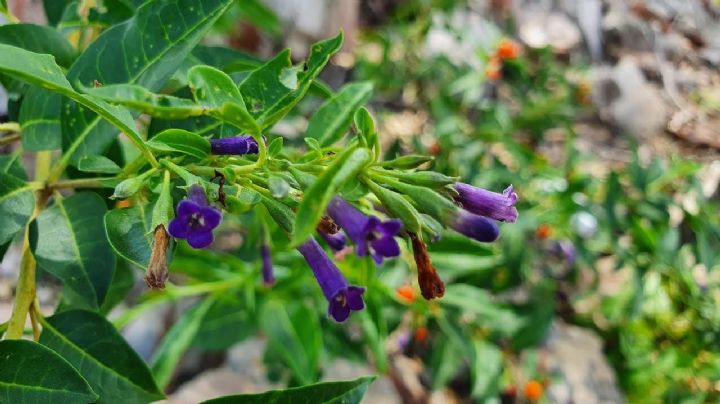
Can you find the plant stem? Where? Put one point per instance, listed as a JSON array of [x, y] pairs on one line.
[[84, 183], [25, 291], [35, 318], [174, 293]]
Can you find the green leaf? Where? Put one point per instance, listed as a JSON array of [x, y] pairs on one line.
[[177, 341], [98, 164], [39, 39], [141, 99], [180, 141], [11, 164], [135, 53], [17, 202], [42, 71], [298, 342], [68, 240], [129, 233], [54, 10], [122, 283], [332, 120], [162, 212], [40, 120], [486, 367], [398, 206], [32, 373], [267, 98], [260, 16], [346, 392], [95, 348], [217, 91], [407, 162], [228, 312], [281, 213], [347, 165]]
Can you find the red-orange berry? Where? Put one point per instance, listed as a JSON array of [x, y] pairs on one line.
[[406, 292], [533, 390], [508, 49], [421, 334]]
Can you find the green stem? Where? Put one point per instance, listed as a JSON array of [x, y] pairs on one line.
[[174, 293], [85, 183], [133, 167], [180, 172], [10, 127]]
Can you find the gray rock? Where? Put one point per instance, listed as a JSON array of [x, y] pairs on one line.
[[575, 355]]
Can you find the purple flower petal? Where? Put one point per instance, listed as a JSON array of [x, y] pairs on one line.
[[487, 203], [234, 145], [389, 227], [211, 218], [386, 247], [178, 228], [476, 227], [200, 239], [196, 193], [267, 268], [338, 309], [186, 208], [354, 298], [335, 241]]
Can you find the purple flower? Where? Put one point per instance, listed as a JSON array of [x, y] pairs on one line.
[[474, 226], [566, 249], [234, 145], [195, 219], [487, 203], [369, 233], [335, 241], [267, 268], [342, 297]]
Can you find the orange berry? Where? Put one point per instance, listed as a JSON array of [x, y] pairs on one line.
[[124, 203], [508, 49], [435, 149], [533, 390], [493, 70], [406, 292], [421, 334], [543, 231]]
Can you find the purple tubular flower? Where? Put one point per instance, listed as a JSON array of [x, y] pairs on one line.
[[487, 203], [335, 241], [342, 297], [369, 233], [234, 145], [474, 226], [195, 219], [267, 268]]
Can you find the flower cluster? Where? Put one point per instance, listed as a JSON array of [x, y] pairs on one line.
[[474, 213]]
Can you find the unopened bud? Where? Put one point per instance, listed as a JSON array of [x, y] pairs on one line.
[[157, 270], [431, 285]]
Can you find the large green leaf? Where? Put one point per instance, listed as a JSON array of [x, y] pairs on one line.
[[486, 367], [42, 71], [295, 337], [345, 392], [31, 373], [95, 348], [177, 341], [40, 120], [268, 96], [11, 164], [315, 200], [39, 39], [129, 233], [333, 118], [17, 202], [217, 91], [68, 240], [144, 50], [180, 141]]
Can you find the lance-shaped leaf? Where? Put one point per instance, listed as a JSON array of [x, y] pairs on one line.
[[295, 336], [145, 101], [130, 234], [333, 118], [32, 373], [265, 90], [40, 120], [345, 392], [17, 202], [68, 240], [177, 341], [315, 200], [39, 39], [217, 91], [42, 71], [98, 164], [144, 50], [180, 141], [95, 348]]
